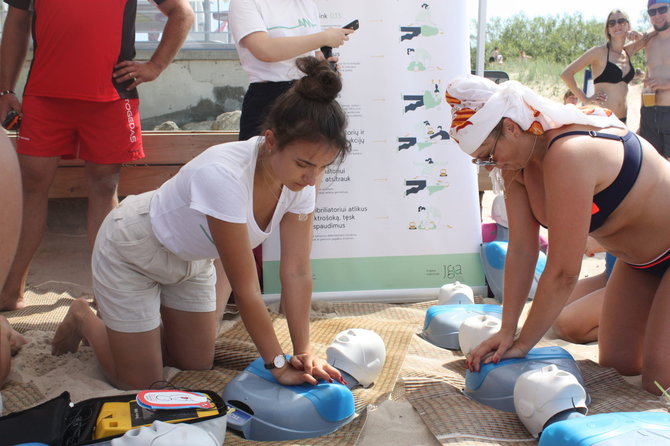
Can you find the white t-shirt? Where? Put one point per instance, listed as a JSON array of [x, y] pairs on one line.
[[218, 183], [285, 18]]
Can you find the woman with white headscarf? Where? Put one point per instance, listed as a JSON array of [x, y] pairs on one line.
[[578, 172]]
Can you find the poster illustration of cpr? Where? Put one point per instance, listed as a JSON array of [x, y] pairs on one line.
[[400, 217]]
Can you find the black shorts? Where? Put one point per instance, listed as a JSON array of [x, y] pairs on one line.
[[655, 127], [257, 102]]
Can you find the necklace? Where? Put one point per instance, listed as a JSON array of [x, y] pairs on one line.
[[498, 179]]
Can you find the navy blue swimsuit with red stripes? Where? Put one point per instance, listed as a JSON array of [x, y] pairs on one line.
[[607, 200]]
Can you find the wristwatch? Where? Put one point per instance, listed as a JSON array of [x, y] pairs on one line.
[[278, 362]]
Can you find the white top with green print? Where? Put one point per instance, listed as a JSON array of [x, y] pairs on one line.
[[278, 18]]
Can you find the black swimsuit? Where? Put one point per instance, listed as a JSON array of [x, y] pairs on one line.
[[607, 200], [612, 74]]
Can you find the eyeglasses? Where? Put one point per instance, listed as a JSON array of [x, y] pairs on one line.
[[659, 10], [621, 21], [489, 161]]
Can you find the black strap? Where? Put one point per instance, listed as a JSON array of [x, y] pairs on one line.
[[591, 133]]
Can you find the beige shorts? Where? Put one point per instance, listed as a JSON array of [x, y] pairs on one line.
[[133, 274]]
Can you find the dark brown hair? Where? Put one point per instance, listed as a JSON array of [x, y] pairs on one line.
[[308, 111]]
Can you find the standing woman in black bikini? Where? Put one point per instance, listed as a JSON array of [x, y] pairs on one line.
[[611, 65]]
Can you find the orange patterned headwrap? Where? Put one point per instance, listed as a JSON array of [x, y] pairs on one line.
[[478, 105]]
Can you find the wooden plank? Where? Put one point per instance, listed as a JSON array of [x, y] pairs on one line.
[[71, 182], [165, 153]]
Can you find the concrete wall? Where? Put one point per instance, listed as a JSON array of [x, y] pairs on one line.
[[198, 86]]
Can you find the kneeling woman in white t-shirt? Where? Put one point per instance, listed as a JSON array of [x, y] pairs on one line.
[[153, 274]]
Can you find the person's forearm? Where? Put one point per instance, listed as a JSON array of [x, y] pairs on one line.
[[570, 81], [176, 30], [519, 269], [14, 47], [276, 49], [552, 294], [296, 303], [259, 325]]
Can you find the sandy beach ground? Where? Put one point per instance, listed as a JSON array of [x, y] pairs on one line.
[[62, 262]]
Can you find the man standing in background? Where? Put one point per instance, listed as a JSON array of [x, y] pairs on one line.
[[80, 100], [655, 118]]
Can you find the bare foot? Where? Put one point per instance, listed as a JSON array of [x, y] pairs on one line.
[[16, 339], [10, 303], [68, 334]]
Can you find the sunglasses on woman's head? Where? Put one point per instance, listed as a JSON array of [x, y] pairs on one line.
[[659, 10], [613, 22]]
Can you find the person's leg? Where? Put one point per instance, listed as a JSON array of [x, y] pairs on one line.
[[656, 359], [109, 135], [579, 320], [103, 180], [11, 203], [628, 300], [649, 129], [664, 130], [128, 360], [189, 338], [223, 289], [37, 174]]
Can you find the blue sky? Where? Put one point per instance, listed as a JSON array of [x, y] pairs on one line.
[[596, 9]]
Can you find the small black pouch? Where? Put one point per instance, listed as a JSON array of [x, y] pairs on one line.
[[39, 424]]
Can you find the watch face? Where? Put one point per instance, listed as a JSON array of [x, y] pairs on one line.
[[279, 361]]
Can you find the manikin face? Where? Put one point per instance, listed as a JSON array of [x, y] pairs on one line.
[[659, 20], [299, 163]]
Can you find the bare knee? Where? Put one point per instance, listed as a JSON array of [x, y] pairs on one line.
[[104, 187], [136, 382], [566, 329], [623, 364], [200, 363]]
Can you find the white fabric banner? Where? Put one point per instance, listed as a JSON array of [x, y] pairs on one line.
[[400, 217]]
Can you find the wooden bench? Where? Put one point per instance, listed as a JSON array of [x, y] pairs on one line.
[[165, 153]]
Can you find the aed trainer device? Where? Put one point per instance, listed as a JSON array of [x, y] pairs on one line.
[[116, 418]]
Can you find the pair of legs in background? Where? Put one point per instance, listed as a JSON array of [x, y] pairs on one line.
[[97, 132]]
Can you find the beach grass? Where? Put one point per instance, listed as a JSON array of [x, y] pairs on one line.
[[543, 76]]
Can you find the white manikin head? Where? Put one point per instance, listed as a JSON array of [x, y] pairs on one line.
[[476, 329], [542, 393], [456, 293], [359, 352]]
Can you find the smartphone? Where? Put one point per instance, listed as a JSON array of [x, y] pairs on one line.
[[328, 51], [12, 121], [352, 25]]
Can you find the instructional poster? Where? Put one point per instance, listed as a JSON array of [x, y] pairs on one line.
[[400, 217]]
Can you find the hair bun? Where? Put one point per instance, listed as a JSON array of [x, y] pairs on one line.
[[320, 83]]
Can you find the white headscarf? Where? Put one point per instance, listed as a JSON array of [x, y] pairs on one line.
[[478, 104]]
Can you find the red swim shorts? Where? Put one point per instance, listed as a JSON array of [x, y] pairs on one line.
[[99, 132]]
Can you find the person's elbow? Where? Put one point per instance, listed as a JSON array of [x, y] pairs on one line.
[[181, 13], [566, 75], [265, 54], [186, 16], [562, 277]]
